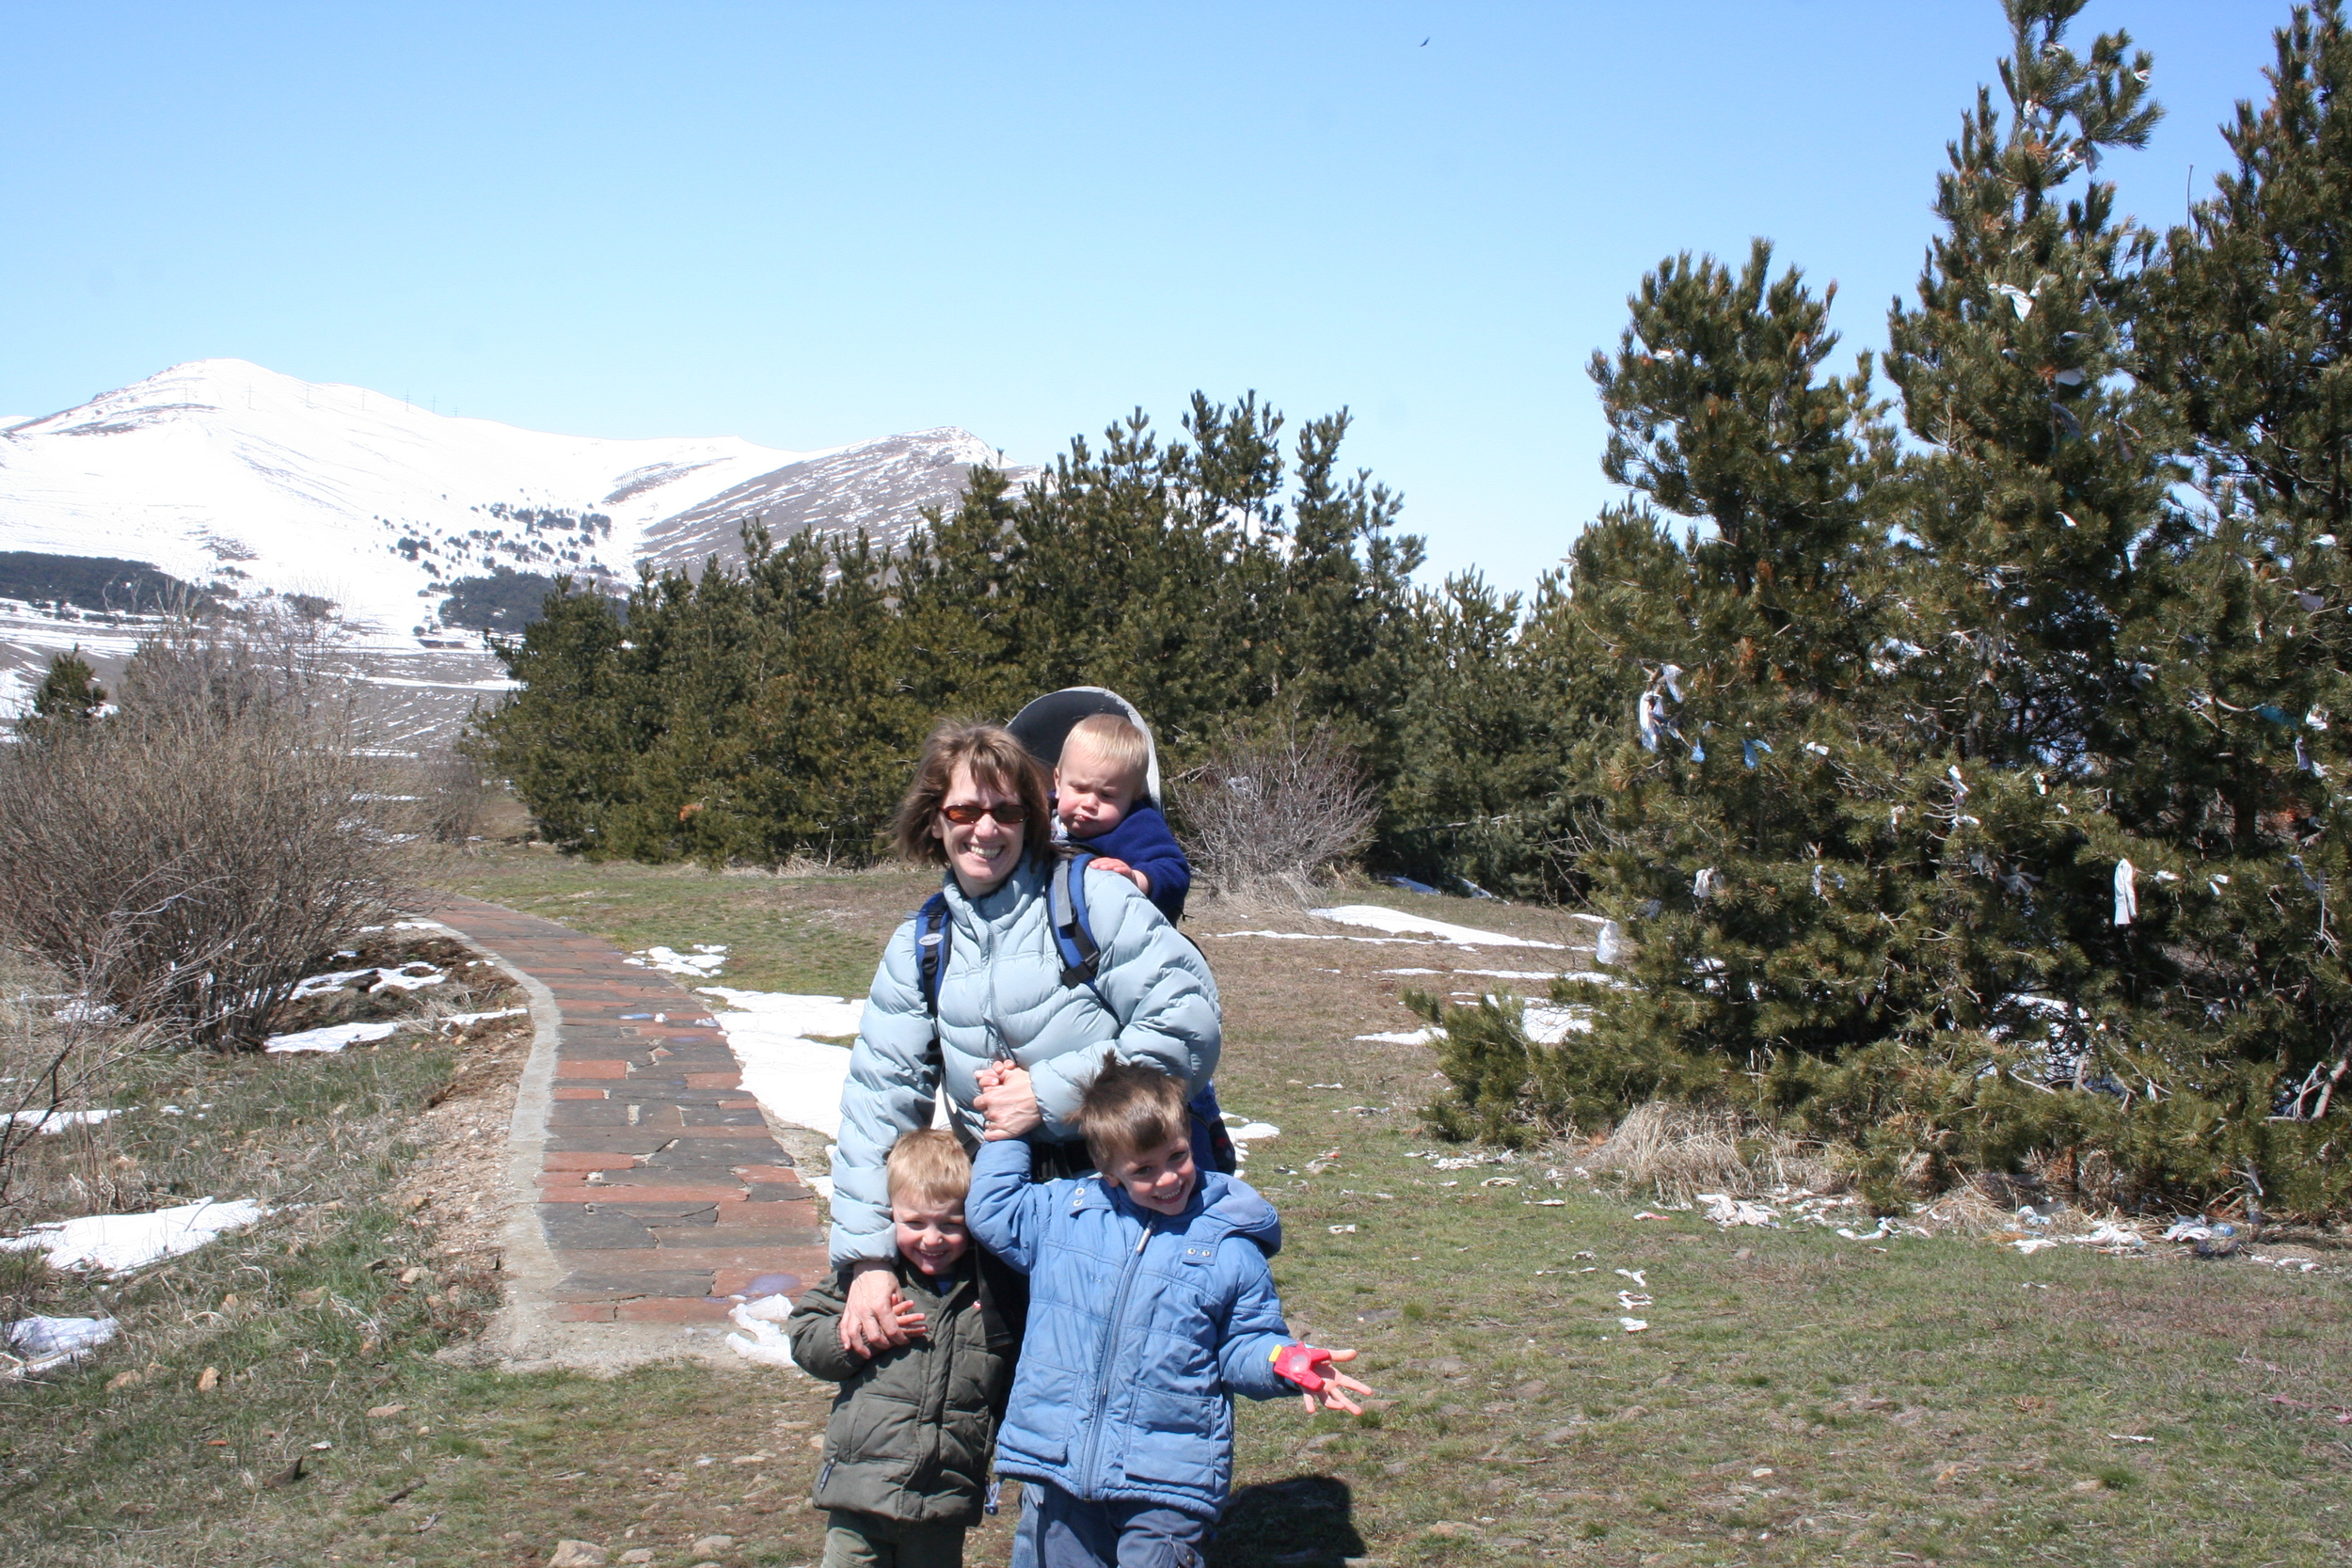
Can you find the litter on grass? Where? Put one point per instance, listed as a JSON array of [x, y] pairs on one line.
[[333, 1038], [1633, 1326], [47, 1343], [1397, 923], [782, 1042], [117, 1242], [1726, 1211]]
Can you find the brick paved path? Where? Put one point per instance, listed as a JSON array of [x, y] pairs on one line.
[[660, 1190]]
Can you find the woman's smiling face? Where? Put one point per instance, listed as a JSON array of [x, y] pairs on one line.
[[983, 853]]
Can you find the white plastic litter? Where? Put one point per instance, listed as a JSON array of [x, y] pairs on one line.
[[2029, 1245], [1633, 1326], [1397, 923], [1726, 1211], [2126, 893], [48, 1343], [333, 1038], [762, 1339], [115, 1243]]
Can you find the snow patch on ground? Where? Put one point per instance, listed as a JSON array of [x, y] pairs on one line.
[[116, 1243], [779, 1038], [1405, 1037], [1551, 1025], [706, 961], [405, 977], [762, 1339], [458, 1021], [1378, 918], [333, 1038], [58, 1122], [48, 1343]]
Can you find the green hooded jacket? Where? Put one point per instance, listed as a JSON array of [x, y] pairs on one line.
[[912, 1428]]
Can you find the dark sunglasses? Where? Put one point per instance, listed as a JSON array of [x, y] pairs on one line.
[[1009, 814]]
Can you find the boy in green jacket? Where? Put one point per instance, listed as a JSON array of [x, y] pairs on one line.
[[907, 1448]]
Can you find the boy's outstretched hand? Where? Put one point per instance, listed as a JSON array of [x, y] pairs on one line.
[[1309, 1366]]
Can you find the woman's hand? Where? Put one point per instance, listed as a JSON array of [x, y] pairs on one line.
[[876, 1318], [1006, 1100]]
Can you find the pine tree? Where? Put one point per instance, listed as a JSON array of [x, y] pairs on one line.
[[68, 700], [1750, 639], [2246, 330]]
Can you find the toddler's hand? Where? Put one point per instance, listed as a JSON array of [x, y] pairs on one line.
[[1117, 867], [1310, 1368]]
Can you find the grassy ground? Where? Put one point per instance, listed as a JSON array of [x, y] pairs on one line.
[[1797, 1398]]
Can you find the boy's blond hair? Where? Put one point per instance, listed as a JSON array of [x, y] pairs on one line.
[[1131, 1108], [1111, 739], [929, 1167]]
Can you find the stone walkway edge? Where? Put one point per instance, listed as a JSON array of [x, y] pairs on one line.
[[651, 1194]]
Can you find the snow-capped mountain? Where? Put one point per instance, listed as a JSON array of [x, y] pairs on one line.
[[220, 472], [249, 484]]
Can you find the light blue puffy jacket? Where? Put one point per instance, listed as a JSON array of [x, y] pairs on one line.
[[1142, 1327], [1152, 999]]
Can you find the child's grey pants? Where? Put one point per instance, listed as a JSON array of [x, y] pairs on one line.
[[1058, 1530]]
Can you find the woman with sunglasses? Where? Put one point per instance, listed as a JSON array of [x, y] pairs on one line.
[[1011, 1043]]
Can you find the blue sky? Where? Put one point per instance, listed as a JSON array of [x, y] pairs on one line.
[[809, 226]]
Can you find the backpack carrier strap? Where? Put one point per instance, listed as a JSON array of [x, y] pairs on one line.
[[1074, 934], [932, 933]]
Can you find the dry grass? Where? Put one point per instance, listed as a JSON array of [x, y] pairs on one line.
[[1797, 1399], [1673, 1152]]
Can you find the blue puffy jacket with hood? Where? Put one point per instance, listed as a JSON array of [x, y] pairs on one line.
[[1153, 1000], [1142, 1326]]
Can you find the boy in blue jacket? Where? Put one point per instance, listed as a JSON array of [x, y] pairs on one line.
[[1151, 1306], [1099, 796]]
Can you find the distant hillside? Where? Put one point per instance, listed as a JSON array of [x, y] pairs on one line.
[[251, 485], [93, 582]]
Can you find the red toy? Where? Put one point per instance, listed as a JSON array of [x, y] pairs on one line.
[[1297, 1363], [1309, 1369]]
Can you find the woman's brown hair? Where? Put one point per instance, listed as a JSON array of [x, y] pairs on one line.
[[997, 761]]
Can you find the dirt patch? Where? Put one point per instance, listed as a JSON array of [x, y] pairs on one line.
[[457, 1189]]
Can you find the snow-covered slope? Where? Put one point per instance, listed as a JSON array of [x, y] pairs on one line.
[[880, 487], [222, 472]]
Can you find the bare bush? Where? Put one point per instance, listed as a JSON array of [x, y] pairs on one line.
[[454, 795], [1277, 804], [186, 858], [61, 1057]]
